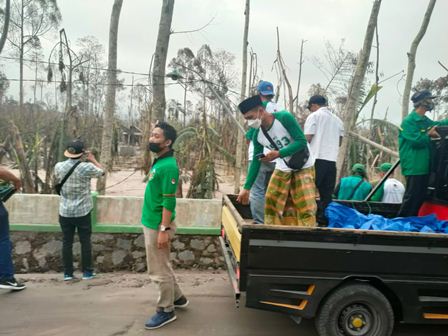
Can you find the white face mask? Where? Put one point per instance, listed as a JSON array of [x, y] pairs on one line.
[[255, 123]]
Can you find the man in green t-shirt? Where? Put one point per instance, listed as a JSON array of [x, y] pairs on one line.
[[416, 150], [354, 187], [158, 216]]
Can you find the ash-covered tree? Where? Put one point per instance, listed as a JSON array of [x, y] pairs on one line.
[[30, 20]]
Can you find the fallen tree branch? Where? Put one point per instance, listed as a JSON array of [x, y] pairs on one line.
[[194, 30], [373, 144]]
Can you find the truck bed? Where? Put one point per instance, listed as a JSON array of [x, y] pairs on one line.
[[292, 269]]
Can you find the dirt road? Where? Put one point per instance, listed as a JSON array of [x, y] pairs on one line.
[[118, 304]]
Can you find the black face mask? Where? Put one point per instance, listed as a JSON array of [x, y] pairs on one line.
[[154, 147]]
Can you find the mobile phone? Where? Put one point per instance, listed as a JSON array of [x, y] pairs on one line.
[[259, 156]]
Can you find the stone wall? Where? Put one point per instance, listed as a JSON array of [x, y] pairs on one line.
[[41, 252]]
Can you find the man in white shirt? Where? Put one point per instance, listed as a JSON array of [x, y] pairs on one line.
[[324, 131], [392, 190]]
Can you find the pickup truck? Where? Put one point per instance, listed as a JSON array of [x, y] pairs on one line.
[[352, 282]]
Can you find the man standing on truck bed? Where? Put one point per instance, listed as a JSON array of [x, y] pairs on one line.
[[324, 131], [415, 149], [290, 198], [257, 194]]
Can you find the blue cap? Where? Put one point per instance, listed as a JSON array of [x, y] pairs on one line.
[[422, 95], [265, 88]]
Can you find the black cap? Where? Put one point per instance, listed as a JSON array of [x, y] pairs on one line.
[[317, 99], [250, 103], [421, 96], [74, 149]]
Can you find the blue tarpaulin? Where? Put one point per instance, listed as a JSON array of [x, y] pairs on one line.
[[341, 216]]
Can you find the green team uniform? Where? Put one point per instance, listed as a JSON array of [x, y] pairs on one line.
[[160, 191], [378, 195], [347, 186], [415, 144]]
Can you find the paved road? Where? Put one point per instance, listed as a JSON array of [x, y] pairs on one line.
[[118, 304]]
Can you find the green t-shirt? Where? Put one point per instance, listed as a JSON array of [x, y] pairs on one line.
[[378, 195], [160, 191], [348, 184]]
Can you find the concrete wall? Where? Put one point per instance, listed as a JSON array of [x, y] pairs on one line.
[[117, 241], [112, 210]]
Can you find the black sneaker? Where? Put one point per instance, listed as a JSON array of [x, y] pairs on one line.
[[181, 302], [12, 284]]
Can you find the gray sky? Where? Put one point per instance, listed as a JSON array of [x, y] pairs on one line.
[[316, 21]]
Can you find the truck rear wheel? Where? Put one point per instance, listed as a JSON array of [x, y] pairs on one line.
[[355, 310]]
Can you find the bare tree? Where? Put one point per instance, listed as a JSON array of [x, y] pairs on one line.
[[106, 142], [6, 18], [240, 136], [28, 185], [411, 58], [158, 75], [377, 76], [30, 20], [299, 79], [351, 106], [280, 63]]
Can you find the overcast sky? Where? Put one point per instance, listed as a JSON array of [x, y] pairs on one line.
[[316, 21]]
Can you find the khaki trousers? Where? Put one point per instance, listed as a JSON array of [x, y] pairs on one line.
[[160, 270]]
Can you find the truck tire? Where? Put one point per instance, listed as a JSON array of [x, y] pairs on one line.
[[355, 310]]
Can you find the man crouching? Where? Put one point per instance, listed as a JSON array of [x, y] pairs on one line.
[[158, 224]]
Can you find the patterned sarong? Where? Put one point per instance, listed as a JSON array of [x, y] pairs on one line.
[[291, 198]]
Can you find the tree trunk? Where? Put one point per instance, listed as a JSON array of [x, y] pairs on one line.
[[300, 77], [377, 76], [350, 110], [28, 186], [381, 147], [5, 25], [21, 58], [282, 71], [158, 74], [240, 134], [411, 58], [107, 137]]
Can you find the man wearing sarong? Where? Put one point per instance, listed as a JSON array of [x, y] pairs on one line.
[[291, 194]]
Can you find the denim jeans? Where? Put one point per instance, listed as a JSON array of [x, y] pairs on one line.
[[258, 191], [69, 225], [6, 266]]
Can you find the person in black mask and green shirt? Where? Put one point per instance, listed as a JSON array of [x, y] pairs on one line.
[[414, 142], [158, 214]]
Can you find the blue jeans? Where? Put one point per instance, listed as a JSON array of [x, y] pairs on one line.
[[6, 266], [258, 191]]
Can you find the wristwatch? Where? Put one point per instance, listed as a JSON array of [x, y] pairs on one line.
[[164, 228]]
